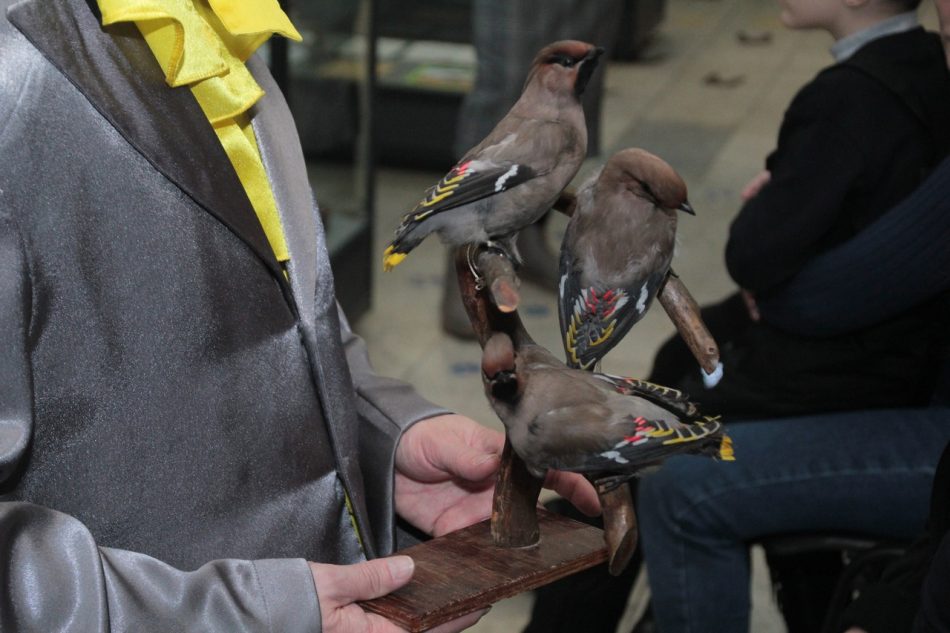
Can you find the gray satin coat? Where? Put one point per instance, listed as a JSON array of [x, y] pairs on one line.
[[178, 420]]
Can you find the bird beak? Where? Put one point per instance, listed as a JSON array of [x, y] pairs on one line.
[[587, 66], [686, 207], [595, 52]]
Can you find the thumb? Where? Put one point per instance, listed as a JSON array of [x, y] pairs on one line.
[[339, 585]]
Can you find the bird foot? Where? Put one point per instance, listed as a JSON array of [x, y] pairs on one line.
[[471, 253], [504, 251]]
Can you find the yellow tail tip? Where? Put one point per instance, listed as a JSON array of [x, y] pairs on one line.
[[391, 259], [726, 453]]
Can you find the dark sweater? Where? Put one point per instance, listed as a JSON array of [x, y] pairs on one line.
[[854, 142]]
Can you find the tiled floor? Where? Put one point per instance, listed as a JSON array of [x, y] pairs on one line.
[[716, 136]]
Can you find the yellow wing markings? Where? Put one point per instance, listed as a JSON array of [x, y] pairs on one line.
[[442, 191], [440, 194], [606, 335], [570, 337]]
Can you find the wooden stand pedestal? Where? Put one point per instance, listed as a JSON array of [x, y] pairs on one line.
[[465, 571]]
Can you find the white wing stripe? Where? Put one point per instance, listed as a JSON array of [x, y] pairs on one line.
[[500, 183]]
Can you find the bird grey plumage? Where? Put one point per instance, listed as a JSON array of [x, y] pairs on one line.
[[616, 251], [515, 174], [575, 420]]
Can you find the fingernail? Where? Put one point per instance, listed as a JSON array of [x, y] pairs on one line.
[[401, 567]]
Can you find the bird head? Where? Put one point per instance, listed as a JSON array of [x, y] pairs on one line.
[[498, 367], [564, 67], [649, 176]]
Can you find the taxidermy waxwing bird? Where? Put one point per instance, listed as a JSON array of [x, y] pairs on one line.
[[570, 419], [616, 252], [515, 174]]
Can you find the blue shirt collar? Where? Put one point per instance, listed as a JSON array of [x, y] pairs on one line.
[[848, 46]]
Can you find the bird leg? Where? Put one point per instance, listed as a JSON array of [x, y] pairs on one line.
[[684, 312], [620, 522], [508, 251], [470, 250]]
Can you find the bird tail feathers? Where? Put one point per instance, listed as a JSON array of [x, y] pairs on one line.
[[407, 238]]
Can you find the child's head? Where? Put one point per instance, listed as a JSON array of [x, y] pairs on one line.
[[841, 17]]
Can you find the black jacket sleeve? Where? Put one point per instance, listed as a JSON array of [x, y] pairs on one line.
[[777, 231], [896, 263]]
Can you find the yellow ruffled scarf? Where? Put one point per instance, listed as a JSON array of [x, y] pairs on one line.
[[203, 44]]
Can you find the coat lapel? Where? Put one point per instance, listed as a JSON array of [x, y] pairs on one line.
[[287, 172], [312, 282], [115, 70]]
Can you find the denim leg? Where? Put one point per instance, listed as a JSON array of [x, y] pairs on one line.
[[867, 472]]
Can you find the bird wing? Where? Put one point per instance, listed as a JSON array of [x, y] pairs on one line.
[[595, 318], [636, 442], [468, 181], [672, 400]]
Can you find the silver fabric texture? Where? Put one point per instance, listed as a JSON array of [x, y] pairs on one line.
[[179, 424]]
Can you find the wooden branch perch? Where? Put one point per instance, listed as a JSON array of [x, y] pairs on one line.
[[620, 526], [684, 312], [490, 301]]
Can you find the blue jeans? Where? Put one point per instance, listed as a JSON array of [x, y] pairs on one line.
[[865, 472]]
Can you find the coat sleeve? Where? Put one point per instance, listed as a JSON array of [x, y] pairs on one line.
[[386, 408], [55, 577], [395, 400], [896, 263]]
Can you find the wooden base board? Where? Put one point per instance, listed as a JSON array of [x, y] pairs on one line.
[[464, 571]]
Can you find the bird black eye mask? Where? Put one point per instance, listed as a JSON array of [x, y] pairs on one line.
[[563, 60]]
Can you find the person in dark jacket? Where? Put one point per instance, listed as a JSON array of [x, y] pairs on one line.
[[865, 471], [856, 140]]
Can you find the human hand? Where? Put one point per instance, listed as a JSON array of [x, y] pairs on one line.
[[339, 587], [755, 185], [445, 475]]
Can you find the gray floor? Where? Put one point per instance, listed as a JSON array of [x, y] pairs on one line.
[[715, 133]]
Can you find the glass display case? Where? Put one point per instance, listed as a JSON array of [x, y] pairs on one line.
[[424, 66], [329, 82]]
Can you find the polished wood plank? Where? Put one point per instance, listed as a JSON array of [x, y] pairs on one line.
[[464, 571]]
